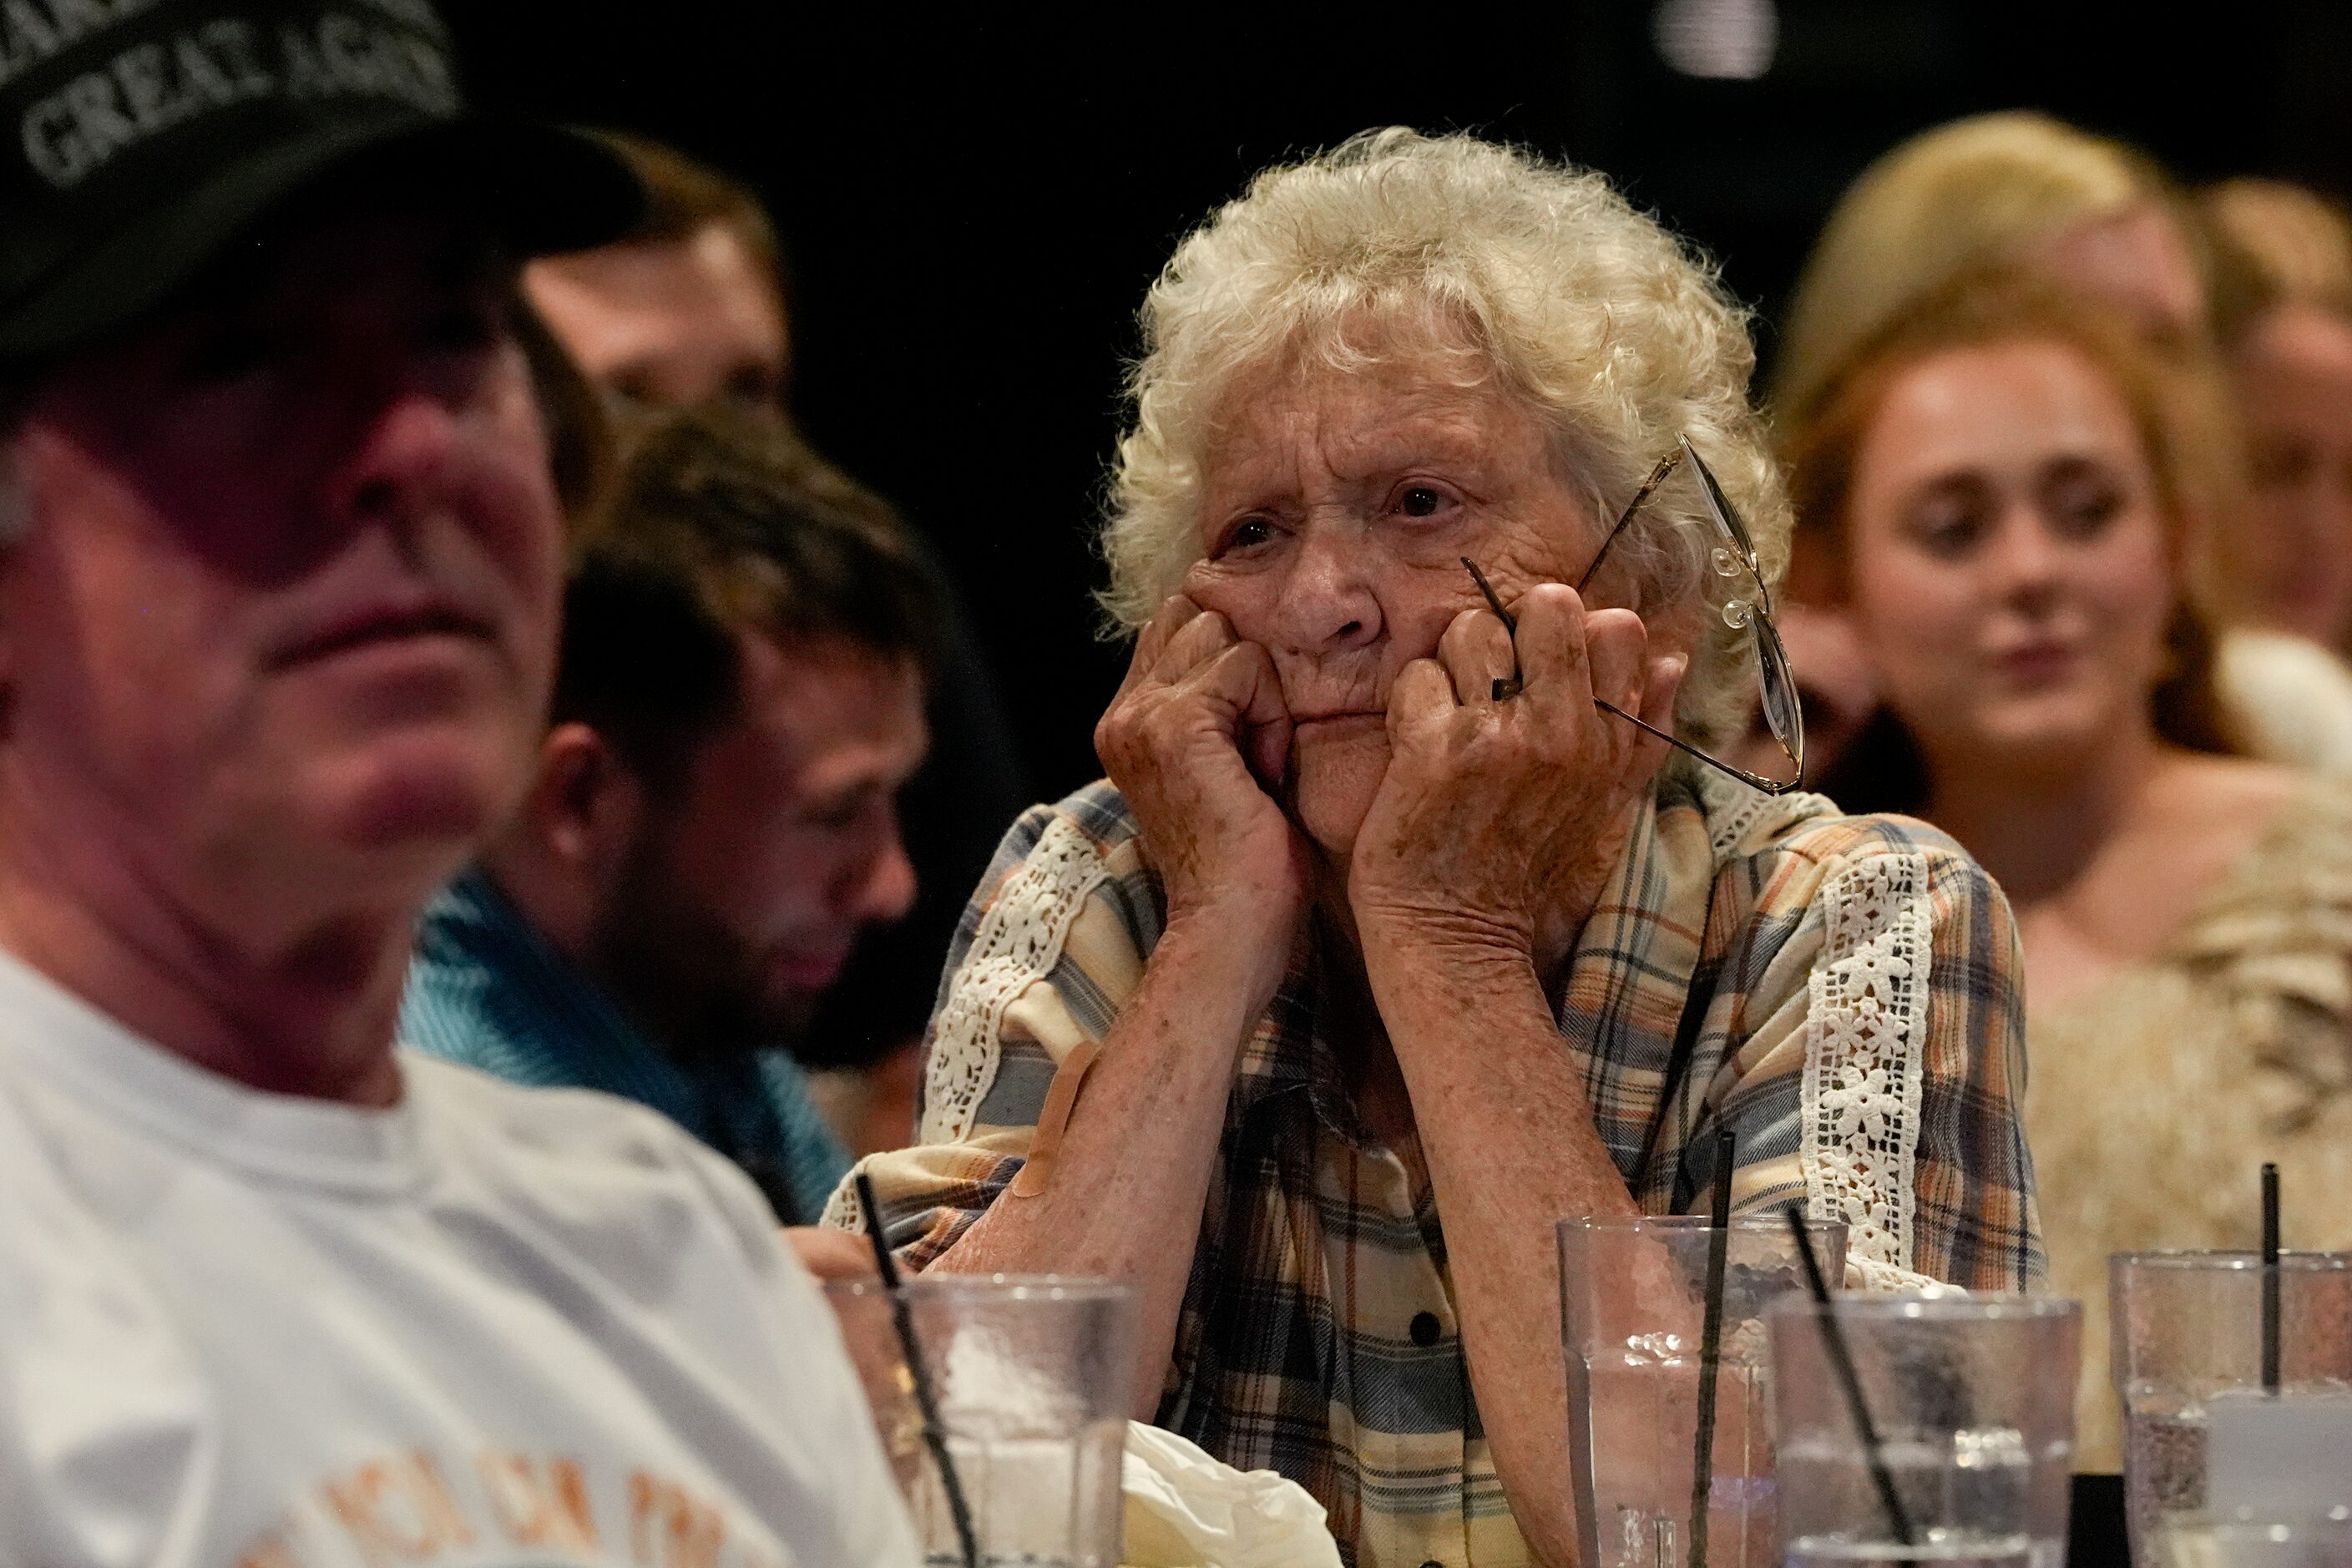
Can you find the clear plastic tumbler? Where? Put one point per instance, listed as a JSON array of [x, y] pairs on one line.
[[1633, 1297], [1029, 1378], [1972, 1400], [2187, 1352]]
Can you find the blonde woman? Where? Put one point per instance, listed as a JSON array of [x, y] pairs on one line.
[[1384, 946], [2015, 189], [2105, 223], [1991, 494]]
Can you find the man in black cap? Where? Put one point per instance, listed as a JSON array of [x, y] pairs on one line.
[[279, 585]]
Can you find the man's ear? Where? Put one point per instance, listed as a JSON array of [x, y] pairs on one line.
[[586, 806]]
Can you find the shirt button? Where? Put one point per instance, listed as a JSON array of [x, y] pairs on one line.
[[1433, 1562], [1425, 1332]]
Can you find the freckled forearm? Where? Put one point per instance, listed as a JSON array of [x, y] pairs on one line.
[[1126, 1198], [1499, 1104], [1508, 1134]]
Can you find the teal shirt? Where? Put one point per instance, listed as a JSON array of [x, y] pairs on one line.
[[486, 990]]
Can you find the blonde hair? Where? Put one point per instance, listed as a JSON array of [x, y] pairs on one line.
[[2274, 244], [2178, 410], [1491, 266], [1974, 194]]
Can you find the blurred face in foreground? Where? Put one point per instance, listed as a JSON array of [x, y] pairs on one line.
[[2008, 559], [670, 321], [739, 904], [1336, 510], [2292, 376], [279, 626]]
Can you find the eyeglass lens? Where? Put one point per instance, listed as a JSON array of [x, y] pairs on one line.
[[1718, 505], [1784, 715]]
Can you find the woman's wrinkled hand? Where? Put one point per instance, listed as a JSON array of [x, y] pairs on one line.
[[1498, 823], [1196, 740]]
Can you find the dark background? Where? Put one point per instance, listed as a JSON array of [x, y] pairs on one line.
[[973, 208]]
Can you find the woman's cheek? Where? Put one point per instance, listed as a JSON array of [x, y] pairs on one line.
[[1217, 586], [1919, 619], [2139, 613]]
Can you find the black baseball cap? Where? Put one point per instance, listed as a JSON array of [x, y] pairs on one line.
[[151, 133]]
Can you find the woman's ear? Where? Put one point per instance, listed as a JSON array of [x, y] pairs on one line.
[[587, 805]]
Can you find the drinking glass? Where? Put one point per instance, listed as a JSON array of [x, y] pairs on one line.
[[1029, 1380], [1633, 1300], [2187, 1340], [2310, 1543], [1972, 1400]]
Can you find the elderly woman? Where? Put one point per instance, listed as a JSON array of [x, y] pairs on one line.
[[1388, 942]]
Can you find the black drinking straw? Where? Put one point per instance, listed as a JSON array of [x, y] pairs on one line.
[[902, 1319], [1710, 1345], [2270, 1279], [1842, 1362]]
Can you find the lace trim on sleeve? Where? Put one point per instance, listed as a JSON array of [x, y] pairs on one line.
[[1865, 1031], [843, 1211], [1018, 943], [1735, 810]]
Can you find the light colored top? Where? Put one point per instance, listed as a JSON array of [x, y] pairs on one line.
[[490, 1327], [2291, 699], [2156, 1097], [1844, 991]]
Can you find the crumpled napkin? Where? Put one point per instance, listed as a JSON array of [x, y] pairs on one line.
[[1185, 1509]]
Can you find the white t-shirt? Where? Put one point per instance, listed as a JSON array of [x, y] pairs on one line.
[[488, 1328]]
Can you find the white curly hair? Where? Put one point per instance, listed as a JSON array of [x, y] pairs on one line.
[[1491, 264]]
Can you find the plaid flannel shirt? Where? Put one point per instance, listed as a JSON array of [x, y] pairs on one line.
[[1843, 990]]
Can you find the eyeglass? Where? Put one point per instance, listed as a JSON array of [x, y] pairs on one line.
[[1732, 555]]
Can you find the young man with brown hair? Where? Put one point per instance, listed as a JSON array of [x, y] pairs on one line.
[[691, 307], [713, 821]]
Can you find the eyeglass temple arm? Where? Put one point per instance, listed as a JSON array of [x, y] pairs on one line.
[[1666, 464], [1754, 781]]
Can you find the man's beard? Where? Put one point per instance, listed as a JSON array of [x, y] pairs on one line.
[[680, 974]]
